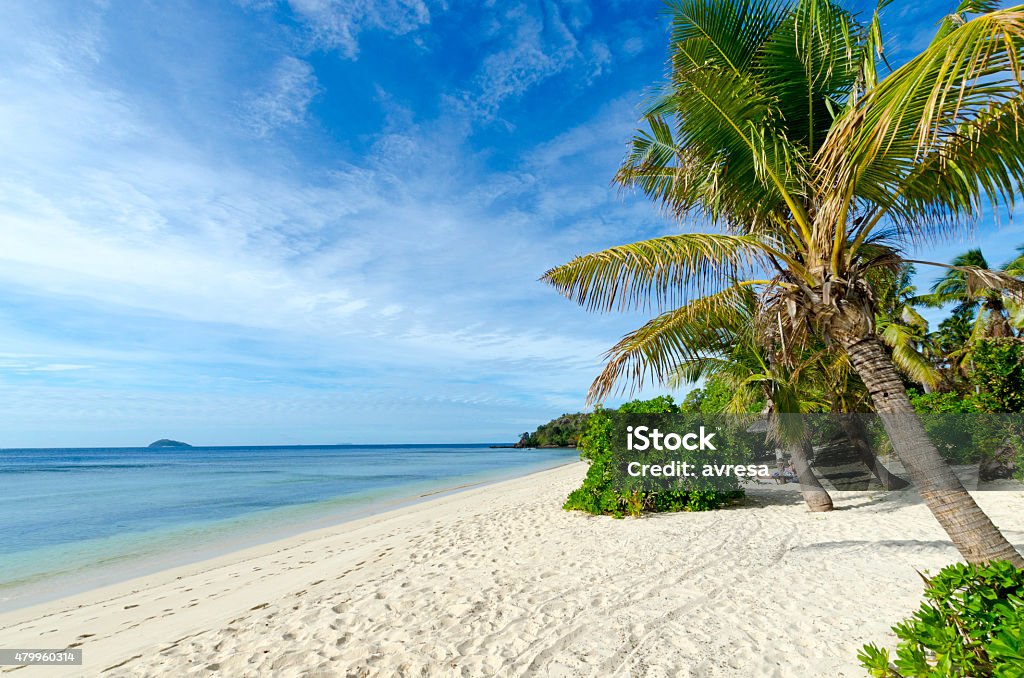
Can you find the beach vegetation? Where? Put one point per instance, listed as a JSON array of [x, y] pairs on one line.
[[971, 623], [996, 312], [749, 382], [814, 168], [599, 494], [970, 417], [563, 431], [997, 370]]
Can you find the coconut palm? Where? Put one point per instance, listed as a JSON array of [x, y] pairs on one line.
[[734, 356], [776, 129], [842, 392], [949, 342], [819, 382], [996, 314]]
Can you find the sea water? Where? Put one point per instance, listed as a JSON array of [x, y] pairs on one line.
[[74, 519]]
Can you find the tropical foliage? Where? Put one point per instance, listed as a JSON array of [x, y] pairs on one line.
[[814, 172], [970, 624], [599, 495], [993, 381], [997, 369], [996, 314], [563, 431]]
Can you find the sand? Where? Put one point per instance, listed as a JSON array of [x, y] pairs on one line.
[[500, 581]]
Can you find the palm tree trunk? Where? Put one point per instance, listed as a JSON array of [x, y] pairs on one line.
[[814, 494], [972, 532], [998, 323], [856, 433]]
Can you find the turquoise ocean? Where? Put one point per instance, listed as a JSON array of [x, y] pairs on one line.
[[75, 519]]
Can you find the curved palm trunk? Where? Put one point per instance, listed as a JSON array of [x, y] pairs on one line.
[[816, 496], [971, 531], [856, 433]]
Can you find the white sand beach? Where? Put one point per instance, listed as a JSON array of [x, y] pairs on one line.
[[498, 580]]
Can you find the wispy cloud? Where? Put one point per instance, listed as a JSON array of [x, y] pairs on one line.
[[337, 24], [536, 42], [284, 99], [60, 367], [294, 239]]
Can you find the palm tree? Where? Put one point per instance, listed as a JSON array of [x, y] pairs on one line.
[[842, 392], [949, 342], [775, 128], [734, 356], [819, 382], [996, 314], [901, 328]]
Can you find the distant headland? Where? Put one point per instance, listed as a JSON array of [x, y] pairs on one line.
[[165, 442]]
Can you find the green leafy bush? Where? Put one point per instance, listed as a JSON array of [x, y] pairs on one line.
[[998, 370], [598, 495], [659, 405], [944, 402], [965, 427], [970, 624], [713, 398], [997, 377]]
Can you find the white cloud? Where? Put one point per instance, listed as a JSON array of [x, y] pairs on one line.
[[537, 42], [633, 45], [411, 272], [538, 46], [61, 367], [600, 58], [364, 252], [283, 101], [337, 24], [35, 365]]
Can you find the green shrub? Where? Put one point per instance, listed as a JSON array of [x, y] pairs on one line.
[[944, 402], [970, 624], [598, 495], [714, 398], [658, 405], [998, 370], [994, 378], [964, 426]]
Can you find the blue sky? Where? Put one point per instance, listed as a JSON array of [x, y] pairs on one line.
[[317, 221]]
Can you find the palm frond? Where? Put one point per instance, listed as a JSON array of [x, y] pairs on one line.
[[690, 371], [725, 36], [972, 281], [659, 270], [902, 342], [1015, 314], [702, 328], [872, 49], [739, 164], [806, 66], [913, 319], [958, 18], [1015, 266], [980, 163], [962, 92]]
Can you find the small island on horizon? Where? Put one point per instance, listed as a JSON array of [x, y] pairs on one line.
[[167, 442]]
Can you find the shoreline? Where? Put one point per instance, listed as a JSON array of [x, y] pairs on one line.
[[295, 521], [74, 612], [498, 579]]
